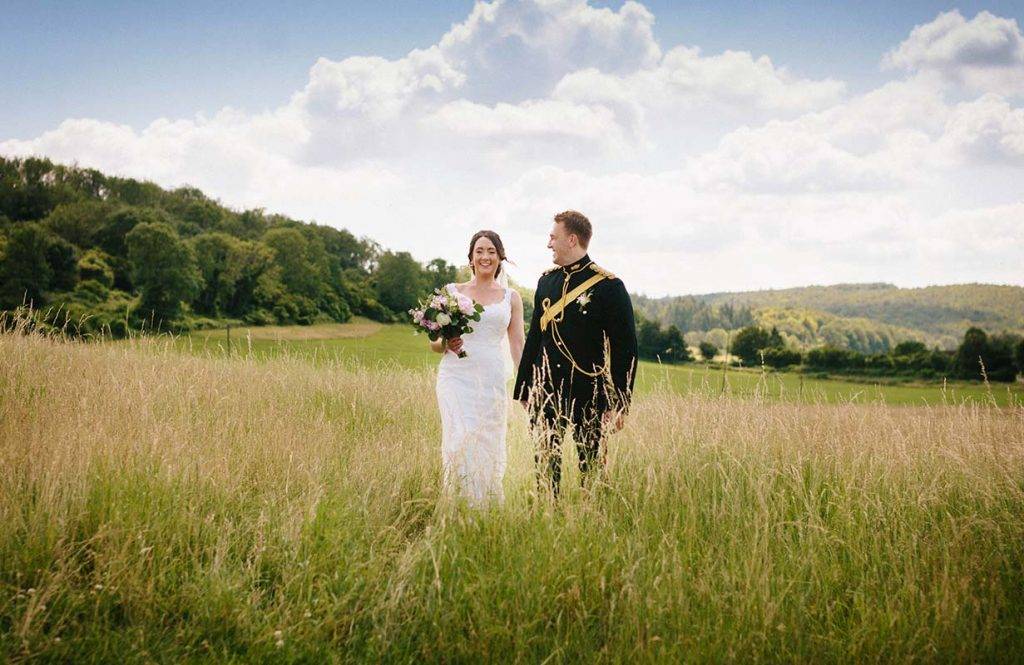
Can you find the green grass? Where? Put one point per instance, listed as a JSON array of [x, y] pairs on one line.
[[174, 507], [396, 346], [171, 501]]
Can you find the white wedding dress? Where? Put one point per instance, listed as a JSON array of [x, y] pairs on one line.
[[472, 396]]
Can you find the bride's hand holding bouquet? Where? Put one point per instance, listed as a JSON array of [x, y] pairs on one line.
[[446, 315]]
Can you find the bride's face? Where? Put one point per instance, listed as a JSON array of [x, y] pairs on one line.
[[485, 257]]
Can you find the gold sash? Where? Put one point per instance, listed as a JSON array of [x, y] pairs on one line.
[[553, 310]]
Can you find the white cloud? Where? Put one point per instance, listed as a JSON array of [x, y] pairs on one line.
[[701, 172], [985, 53], [987, 129], [512, 51], [686, 79]]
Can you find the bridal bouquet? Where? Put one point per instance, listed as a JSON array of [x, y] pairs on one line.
[[447, 313]]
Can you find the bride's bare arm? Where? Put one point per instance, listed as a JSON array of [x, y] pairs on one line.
[[437, 345], [516, 330]]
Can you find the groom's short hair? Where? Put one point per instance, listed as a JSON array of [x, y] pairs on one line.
[[577, 224]]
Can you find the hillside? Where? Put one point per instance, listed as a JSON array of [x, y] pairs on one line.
[[95, 253], [870, 317]]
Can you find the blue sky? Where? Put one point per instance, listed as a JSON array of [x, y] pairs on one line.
[[131, 62], [801, 143]]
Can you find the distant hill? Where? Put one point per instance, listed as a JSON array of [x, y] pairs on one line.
[[866, 317]]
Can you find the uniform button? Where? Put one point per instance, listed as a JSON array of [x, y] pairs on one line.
[[558, 365]]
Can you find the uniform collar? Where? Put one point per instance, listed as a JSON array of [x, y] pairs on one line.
[[578, 265]]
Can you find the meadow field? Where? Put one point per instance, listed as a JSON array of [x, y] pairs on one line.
[[386, 347], [169, 500]]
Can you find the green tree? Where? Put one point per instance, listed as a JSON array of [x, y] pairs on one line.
[[62, 258], [247, 261], [25, 272], [748, 343], [909, 348], [1000, 365], [972, 351], [676, 349], [31, 188], [780, 357], [293, 254], [1018, 356], [78, 222], [196, 212], [95, 265], [163, 269], [400, 281], [439, 272], [834, 358], [649, 338], [112, 238], [708, 351], [212, 251]]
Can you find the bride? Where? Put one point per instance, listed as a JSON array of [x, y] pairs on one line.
[[472, 394]]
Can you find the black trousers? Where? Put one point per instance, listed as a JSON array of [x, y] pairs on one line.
[[550, 421]]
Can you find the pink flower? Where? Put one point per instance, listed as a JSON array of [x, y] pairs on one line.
[[465, 304]]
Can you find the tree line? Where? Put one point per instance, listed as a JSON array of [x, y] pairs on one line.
[[95, 253], [689, 313], [979, 356]]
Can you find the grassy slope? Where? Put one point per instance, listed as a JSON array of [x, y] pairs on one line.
[[937, 310], [172, 507], [397, 346]]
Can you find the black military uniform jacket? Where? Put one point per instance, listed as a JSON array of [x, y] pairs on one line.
[[566, 350]]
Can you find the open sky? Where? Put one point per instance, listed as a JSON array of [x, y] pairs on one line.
[[715, 146]]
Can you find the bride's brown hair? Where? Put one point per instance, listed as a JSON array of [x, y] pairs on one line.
[[494, 238]]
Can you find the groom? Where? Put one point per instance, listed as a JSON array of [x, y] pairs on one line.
[[579, 360]]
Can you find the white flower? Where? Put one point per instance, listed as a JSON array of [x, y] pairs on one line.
[[443, 319]]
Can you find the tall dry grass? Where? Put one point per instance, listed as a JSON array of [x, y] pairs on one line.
[[160, 506]]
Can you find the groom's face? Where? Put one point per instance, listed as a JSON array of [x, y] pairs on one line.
[[561, 243]]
